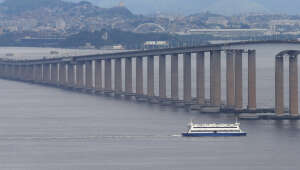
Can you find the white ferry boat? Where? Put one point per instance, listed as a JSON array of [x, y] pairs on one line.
[[214, 129]]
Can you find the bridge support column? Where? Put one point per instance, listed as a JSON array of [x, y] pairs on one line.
[[62, 74], [279, 86], [8, 71], [252, 80], [162, 77], [150, 76], [128, 75], [40, 73], [30, 73], [230, 98], [174, 77], [54, 73], [293, 83], [108, 75], [215, 78], [139, 76], [238, 80], [79, 75], [118, 76], [24, 72], [5, 71], [200, 73], [1, 70], [46, 73], [16, 72], [98, 75], [187, 77], [71, 75], [36, 73], [13, 70], [88, 75]]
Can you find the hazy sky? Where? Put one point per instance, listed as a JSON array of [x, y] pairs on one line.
[[194, 6]]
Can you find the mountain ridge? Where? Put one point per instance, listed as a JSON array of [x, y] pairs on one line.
[[21, 6]]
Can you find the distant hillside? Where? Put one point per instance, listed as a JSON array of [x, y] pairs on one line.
[[17, 7]]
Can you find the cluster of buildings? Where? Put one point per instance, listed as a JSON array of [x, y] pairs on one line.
[[61, 21]]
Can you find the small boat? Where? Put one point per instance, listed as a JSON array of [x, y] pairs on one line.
[[197, 130]]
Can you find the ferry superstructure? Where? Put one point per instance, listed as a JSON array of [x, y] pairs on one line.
[[195, 130]]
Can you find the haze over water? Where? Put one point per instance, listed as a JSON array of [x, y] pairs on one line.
[[51, 128]]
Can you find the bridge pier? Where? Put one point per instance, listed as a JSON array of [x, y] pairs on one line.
[[17, 72], [162, 77], [46, 73], [215, 78], [174, 77], [118, 76], [54, 73], [139, 76], [88, 75], [34, 73], [251, 79], [128, 75], [187, 77], [238, 80], [62, 74], [150, 76], [200, 74], [38, 73], [1, 70], [293, 85], [230, 97], [7, 70], [24, 72], [20, 73], [108, 84], [13, 72], [71, 75], [79, 75], [98, 75], [30, 73], [279, 86]]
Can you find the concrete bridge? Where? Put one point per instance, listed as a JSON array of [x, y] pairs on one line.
[[84, 73]]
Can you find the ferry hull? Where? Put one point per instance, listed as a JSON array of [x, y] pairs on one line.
[[212, 134]]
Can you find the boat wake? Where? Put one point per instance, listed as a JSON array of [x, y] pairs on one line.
[[75, 138]]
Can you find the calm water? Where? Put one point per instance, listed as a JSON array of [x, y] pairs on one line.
[[49, 128]]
